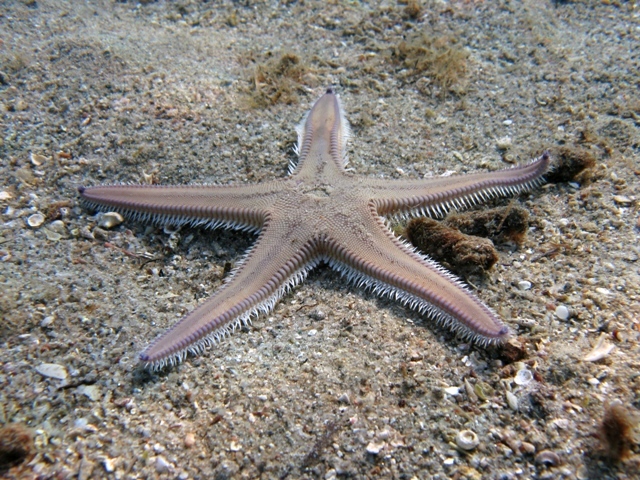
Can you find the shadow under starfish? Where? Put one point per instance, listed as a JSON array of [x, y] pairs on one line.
[[320, 213]]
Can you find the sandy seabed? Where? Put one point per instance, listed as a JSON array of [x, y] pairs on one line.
[[335, 382]]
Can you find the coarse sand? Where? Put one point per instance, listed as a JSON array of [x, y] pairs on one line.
[[335, 382]]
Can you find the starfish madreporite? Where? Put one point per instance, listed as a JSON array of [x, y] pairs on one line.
[[319, 213]]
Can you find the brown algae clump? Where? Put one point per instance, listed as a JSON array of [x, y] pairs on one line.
[[463, 253], [617, 431], [436, 57], [16, 446], [278, 80]]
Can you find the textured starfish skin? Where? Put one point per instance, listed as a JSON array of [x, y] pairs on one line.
[[319, 213]]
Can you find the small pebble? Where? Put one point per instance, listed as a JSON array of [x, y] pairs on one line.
[[415, 356], [452, 391], [512, 401], [622, 200], [562, 312], [467, 440], [603, 291], [344, 398], [52, 370], [504, 143], [318, 315], [92, 392], [189, 440], [80, 422], [561, 423], [312, 332], [162, 466], [109, 465], [524, 285], [4, 195], [46, 321], [110, 220], [35, 220]]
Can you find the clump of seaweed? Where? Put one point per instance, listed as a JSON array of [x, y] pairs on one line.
[[278, 80], [439, 58], [412, 9], [617, 431], [16, 446], [501, 225], [572, 164], [462, 253]]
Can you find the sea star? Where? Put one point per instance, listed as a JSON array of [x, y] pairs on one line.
[[319, 213]]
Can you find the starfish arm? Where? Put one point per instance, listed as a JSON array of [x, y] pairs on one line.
[[384, 264], [234, 206], [322, 139], [436, 196], [269, 270]]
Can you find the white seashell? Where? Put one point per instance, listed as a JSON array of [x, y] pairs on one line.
[[4, 195], [467, 440], [562, 312], [52, 370], [110, 220], [523, 377], [35, 220]]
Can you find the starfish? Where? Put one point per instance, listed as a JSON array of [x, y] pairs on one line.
[[319, 213]]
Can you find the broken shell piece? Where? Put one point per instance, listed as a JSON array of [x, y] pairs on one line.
[[504, 143], [58, 226], [37, 159], [110, 220], [374, 448], [52, 370], [453, 391], [35, 220], [601, 349], [547, 457], [52, 235], [467, 440], [4, 195]]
